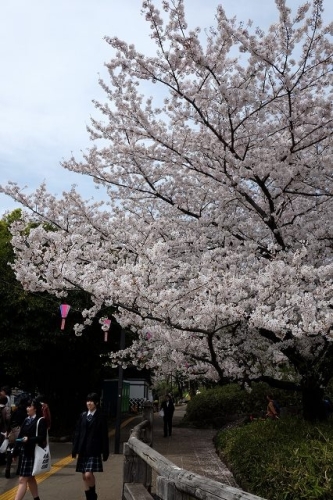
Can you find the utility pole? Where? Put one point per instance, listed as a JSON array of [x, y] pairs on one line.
[[119, 398]]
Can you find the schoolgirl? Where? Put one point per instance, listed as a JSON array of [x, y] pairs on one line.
[[25, 447], [91, 443]]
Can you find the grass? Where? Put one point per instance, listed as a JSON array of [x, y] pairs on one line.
[[286, 459]]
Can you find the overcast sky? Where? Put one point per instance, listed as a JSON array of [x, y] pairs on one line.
[[52, 53]]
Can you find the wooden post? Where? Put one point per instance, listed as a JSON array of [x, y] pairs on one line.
[[136, 470], [166, 490], [136, 491], [148, 414]]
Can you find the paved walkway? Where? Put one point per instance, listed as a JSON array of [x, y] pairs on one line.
[[190, 449]]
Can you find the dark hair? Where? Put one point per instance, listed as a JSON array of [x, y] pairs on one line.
[[22, 398], [93, 396], [36, 404], [22, 402], [3, 400], [6, 389]]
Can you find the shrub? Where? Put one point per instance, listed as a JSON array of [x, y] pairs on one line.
[[215, 407], [212, 406], [287, 459]]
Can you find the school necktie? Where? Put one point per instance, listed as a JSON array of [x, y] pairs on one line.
[[89, 417]]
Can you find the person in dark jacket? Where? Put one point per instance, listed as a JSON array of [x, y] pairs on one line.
[[6, 391], [4, 417], [91, 444], [4, 428], [25, 449], [168, 408], [18, 415]]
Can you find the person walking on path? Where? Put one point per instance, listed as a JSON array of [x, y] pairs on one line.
[[91, 444], [4, 417], [4, 428], [18, 416], [168, 408], [6, 391], [25, 449]]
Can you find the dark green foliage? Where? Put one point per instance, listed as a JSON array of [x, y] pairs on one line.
[[36, 356], [215, 407], [212, 407], [287, 459]]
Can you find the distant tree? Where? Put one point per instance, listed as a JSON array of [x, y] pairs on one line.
[[35, 355], [217, 243]]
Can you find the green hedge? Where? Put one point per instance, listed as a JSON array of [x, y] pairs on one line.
[[286, 459], [215, 407]]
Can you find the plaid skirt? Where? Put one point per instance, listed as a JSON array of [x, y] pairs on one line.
[[25, 465], [89, 464]]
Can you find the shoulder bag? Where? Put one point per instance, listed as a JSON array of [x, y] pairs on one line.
[[42, 460], [4, 445]]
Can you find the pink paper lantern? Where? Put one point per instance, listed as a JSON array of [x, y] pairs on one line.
[[64, 310], [106, 323]]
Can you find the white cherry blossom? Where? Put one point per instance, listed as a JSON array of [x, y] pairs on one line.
[[217, 236]]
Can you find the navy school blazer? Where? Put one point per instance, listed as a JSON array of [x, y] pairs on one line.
[[91, 439], [29, 430]]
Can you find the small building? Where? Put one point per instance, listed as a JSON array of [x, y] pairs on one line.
[[139, 392], [110, 397], [139, 388], [135, 392]]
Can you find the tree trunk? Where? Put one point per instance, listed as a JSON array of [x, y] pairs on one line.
[[180, 388], [312, 398], [193, 388]]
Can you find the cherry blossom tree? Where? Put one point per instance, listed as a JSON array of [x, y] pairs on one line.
[[216, 242]]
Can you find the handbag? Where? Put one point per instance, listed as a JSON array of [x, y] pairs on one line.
[[14, 432], [42, 460], [4, 445], [161, 413]]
